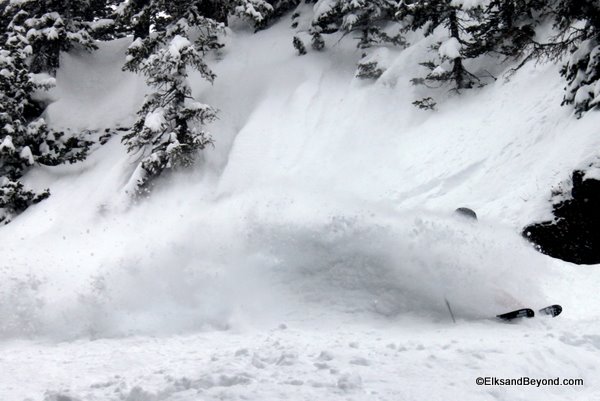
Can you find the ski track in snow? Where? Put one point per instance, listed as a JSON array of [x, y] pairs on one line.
[[309, 256]]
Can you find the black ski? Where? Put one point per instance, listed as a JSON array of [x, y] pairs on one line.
[[552, 310], [517, 314]]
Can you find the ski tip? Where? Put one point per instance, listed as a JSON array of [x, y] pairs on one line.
[[519, 313], [552, 310]]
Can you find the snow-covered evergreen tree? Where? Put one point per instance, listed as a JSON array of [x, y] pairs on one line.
[[25, 139], [101, 17], [258, 12], [169, 130], [15, 198], [133, 17], [582, 72], [48, 27], [504, 27], [372, 23], [448, 63], [369, 18], [579, 22], [281, 7], [317, 41], [18, 138], [299, 46], [370, 66]]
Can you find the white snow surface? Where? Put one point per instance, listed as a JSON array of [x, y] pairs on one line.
[[177, 44], [310, 253], [27, 155], [450, 48], [7, 143], [155, 120]]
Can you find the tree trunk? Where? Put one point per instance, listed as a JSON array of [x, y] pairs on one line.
[[142, 26], [508, 14], [458, 71]]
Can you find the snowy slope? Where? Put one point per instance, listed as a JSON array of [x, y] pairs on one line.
[[310, 254]]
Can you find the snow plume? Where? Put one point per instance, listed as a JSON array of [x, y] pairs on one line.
[[127, 284], [406, 263], [264, 262]]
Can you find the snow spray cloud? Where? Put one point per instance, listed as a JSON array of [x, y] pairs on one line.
[[408, 263], [245, 260]]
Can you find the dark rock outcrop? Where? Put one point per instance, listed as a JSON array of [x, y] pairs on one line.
[[574, 234]]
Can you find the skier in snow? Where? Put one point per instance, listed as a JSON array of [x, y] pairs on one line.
[[552, 310]]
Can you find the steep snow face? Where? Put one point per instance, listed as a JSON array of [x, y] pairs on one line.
[[326, 205]]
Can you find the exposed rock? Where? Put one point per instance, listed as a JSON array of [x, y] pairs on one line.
[[574, 234]]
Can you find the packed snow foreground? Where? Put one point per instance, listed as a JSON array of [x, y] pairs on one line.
[[311, 253]]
